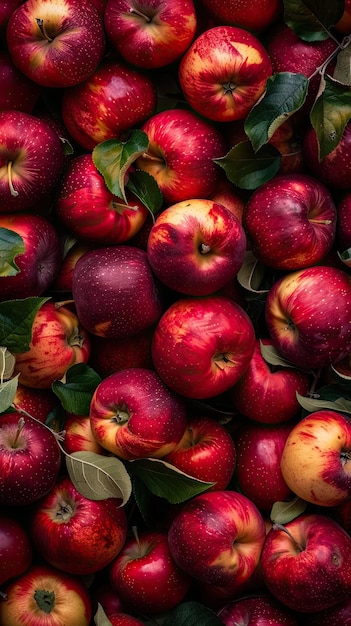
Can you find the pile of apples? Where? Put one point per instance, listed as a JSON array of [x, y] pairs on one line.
[[175, 313]]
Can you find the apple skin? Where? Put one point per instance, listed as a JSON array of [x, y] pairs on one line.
[[39, 263], [63, 280], [254, 16], [90, 212], [58, 342], [79, 436], [113, 100], [308, 316], [28, 449], [182, 146], [266, 393], [297, 227], [43, 593], [7, 7], [206, 451], [27, 143], [16, 552], [123, 619], [315, 461], [335, 168], [259, 450], [38, 403], [337, 615], [68, 47], [111, 355], [227, 194], [134, 415], [151, 34], [343, 26], [217, 538], [201, 346], [307, 569], [145, 575], [107, 302], [19, 92], [224, 72], [75, 534], [259, 610], [343, 224], [196, 246]]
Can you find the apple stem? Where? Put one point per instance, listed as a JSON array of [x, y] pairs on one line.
[[151, 157], [20, 425], [136, 12], [9, 175], [224, 360], [204, 248], [326, 222], [119, 207], [3, 595], [43, 31], [297, 545]]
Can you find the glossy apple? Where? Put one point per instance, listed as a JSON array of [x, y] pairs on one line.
[[19, 92], [114, 99], [259, 450], [64, 277], [58, 342], [111, 355], [180, 155], [134, 415], [145, 575], [38, 403], [16, 552], [76, 534], [30, 460], [78, 435], [224, 72], [260, 610], [297, 227], [315, 461], [6, 9], [150, 34], [201, 346], [123, 619], [47, 596], [254, 16], [217, 538], [40, 262], [206, 451], [308, 315], [227, 194], [56, 43], [26, 145], [107, 301], [305, 563], [196, 246], [90, 212], [343, 224], [267, 393], [335, 168], [337, 615]]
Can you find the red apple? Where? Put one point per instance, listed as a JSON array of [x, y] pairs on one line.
[[224, 72], [76, 534], [335, 168], [123, 619], [145, 575], [308, 315], [196, 246], [202, 346], [111, 355], [258, 610], [150, 34], [64, 277], [343, 26], [16, 552], [109, 283], [180, 155], [90, 212], [58, 342], [19, 92], [113, 100], [56, 43], [254, 15], [337, 615], [30, 460], [134, 415], [267, 393], [343, 224], [297, 227], [78, 435], [315, 461], [305, 563], [38, 403], [227, 194], [206, 451], [28, 144], [259, 450], [40, 262], [46, 596], [217, 538], [7, 7]]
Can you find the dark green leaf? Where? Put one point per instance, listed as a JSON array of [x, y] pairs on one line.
[[285, 94], [76, 391], [166, 481], [317, 404], [330, 114], [285, 512], [145, 187], [192, 613], [342, 70], [16, 321], [251, 274], [312, 20], [248, 169], [11, 244], [151, 507]]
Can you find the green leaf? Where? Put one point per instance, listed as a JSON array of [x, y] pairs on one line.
[[145, 187], [312, 20], [310, 405], [16, 321], [11, 244], [248, 169], [192, 613], [273, 357], [251, 274], [285, 94], [7, 393], [7, 364], [345, 256], [100, 617], [330, 114], [166, 481], [285, 512], [342, 71], [99, 477], [77, 390], [113, 158]]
